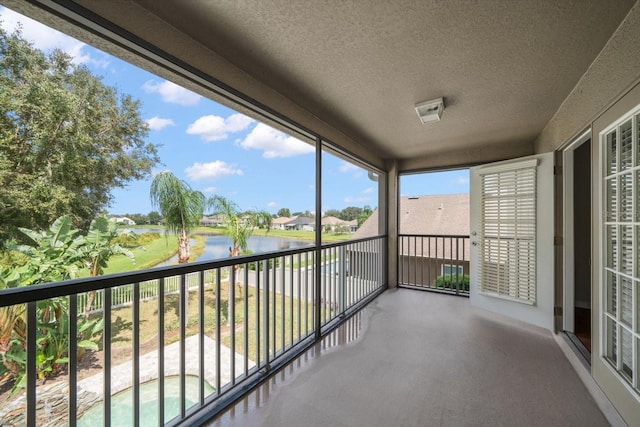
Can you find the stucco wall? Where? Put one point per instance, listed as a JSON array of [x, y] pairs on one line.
[[614, 72]]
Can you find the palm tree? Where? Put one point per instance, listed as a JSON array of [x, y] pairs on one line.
[[239, 226], [180, 206]]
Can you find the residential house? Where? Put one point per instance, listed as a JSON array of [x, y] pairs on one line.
[[301, 223], [330, 223], [540, 98], [123, 220], [211, 221], [279, 223]]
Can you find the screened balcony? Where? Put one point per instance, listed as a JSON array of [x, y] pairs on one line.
[[312, 338], [516, 81]]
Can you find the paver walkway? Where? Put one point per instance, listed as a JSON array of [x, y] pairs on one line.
[[122, 374]]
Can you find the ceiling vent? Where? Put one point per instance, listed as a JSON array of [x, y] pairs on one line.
[[430, 111]]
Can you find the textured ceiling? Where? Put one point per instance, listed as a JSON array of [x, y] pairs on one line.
[[503, 67]]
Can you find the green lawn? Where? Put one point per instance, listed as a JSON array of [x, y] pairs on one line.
[[152, 254], [301, 325], [165, 247], [290, 234], [304, 235]]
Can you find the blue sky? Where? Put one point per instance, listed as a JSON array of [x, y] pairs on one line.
[[218, 151]]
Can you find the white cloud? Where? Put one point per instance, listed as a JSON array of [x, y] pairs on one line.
[[274, 143], [272, 204], [461, 180], [369, 190], [47, 39], [215, 128], [156, 123], [357, 199], [171, 92], [348, 167], [212, 170], [209, 190]]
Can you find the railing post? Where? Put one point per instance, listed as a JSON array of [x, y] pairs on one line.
[[183, 313], [265, 311], [342, 279], [318, 242], [31, 362], [457, 269], [106, 356], [135, 377], [73, 359], [161, 293]]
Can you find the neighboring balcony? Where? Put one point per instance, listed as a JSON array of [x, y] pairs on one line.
[[434, 262]]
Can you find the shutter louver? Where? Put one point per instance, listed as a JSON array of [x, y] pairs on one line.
[[508, 239]]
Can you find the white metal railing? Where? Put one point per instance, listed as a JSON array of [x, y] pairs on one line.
[[236, 320], [123, 295]]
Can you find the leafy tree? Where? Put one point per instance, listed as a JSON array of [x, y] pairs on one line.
[[239, 226], [364, 215], [99, 245], [341, 229], [333, 212], [66, 138], [138, 218], [350, 213], [154, 217], [284, 212], [306, 213], [52, 255], [180, 206]]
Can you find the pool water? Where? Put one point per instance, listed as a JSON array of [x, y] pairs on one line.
[[122, 403]]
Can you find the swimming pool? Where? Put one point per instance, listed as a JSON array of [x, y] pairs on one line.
[[122, 403]]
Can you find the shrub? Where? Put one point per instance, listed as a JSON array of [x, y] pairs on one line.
[[449, 281], [133, 240], [252, 265]]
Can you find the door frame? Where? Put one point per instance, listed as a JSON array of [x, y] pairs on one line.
[[568, 256], [621, 395]]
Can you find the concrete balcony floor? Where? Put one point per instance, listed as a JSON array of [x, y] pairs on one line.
[[415, 358]]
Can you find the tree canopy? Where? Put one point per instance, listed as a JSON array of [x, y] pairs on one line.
[[284, 212], [66, 138], [350, 213]]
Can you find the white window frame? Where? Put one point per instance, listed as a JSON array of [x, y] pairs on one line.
[[605, 221], [452, 267]]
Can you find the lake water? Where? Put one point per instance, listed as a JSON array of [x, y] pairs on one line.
[[217, 247]]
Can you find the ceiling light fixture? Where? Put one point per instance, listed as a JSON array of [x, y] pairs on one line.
[[430, 111]]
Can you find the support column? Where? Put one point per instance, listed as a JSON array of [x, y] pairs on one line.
[[389, 220]]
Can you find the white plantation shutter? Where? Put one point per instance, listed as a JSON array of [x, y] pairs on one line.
[[508, 231], [621, 246]]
